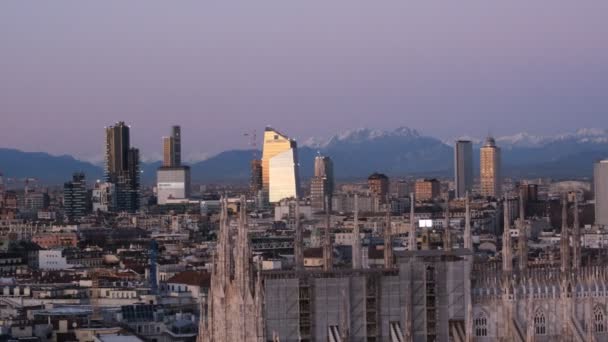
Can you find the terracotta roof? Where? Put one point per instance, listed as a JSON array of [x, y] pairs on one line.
[[194, 278]]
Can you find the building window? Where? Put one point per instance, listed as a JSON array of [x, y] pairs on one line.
[[540, 327], [598, 320], [480, 326]]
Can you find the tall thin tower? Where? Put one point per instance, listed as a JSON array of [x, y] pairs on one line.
[[463, 167]]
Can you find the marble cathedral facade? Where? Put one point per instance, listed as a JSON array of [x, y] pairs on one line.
[[419, 295]]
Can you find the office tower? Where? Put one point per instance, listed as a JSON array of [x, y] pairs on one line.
[[75, 201], [280, 177], [168, 151], [176, 134], [122, 167], [172, 148], [256, 184], [172, 183], [324, 167], [378, 185], [463, 167], [427, 189], [322, 184], [172, 179], [600, 184], [489, 167]]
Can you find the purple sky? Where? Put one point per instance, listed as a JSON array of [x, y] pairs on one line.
[[309, 68]]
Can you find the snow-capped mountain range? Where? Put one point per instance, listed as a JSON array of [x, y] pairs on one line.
[[522, 139], [357, 153]]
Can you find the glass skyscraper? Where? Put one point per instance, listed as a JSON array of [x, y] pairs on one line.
[[280, 177], [122, 167]]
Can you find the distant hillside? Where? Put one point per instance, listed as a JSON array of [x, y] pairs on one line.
[[356, 154], [45, 167]]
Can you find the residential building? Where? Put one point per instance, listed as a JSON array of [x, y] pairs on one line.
[[75, 197], [378, 185], [122, 167], [427, 189]]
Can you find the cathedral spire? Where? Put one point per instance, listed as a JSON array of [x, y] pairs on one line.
[[242, 264], [468, 243], [413, 244], [356, 236], [223, 248], [576, 239], [298, 243], [522, 240], [507, 264], [388, 238], [447, 234], [327, 245], [565, 239]]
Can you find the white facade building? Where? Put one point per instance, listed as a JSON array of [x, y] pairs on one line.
[[52, 260], [172, 183]]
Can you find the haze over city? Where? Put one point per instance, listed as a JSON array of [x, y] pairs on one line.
[[310, 68]]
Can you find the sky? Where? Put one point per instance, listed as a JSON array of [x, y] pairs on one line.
[[308, 68]]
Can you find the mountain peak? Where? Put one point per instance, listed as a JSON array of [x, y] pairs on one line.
[[361, 134]]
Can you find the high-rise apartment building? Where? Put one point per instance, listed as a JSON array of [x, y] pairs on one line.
[[280, 178], [463, 167], [75, 197], [600, 185], [489, 167], [122, 167], [378, 185], [427, 189], [322, 184]]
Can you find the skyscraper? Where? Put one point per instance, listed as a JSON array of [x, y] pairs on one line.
[[75, 201], [489, 167], [176, 133], [172, 179], [256, 177], [600, 184], [172, 148], [168, 154], [280, 178], [322, 184], [463, 167], [122, 167], [117, 150]]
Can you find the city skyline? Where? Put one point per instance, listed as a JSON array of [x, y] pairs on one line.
[[223, 69]]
